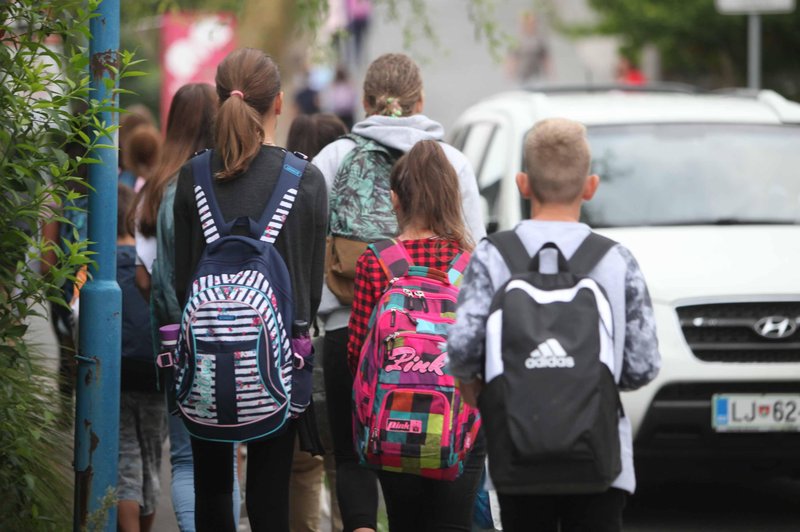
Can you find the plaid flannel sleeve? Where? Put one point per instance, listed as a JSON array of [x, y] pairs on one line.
[[369, 282]]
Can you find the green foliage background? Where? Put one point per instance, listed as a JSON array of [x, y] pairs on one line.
[[49, 122], [701, 46]]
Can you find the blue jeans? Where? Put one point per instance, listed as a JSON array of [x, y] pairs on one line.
[[180, 454]]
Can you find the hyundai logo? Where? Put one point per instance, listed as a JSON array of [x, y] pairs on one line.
[[775, 327]]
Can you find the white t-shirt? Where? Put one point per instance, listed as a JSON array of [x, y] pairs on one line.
[[146, 247]]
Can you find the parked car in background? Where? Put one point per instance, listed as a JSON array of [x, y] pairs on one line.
[[704, 189]]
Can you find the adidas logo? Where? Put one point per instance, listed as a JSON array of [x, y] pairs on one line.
[[549, 354]]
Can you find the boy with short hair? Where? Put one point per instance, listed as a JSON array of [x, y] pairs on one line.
[[557, 181]]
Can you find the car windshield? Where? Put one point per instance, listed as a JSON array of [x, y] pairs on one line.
[[686, 174]]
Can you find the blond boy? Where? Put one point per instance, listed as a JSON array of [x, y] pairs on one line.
[[557, 181]]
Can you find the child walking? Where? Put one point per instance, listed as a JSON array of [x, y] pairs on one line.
[[425, 196], [245, 168], [557, 181], [356, 170], [142, 419]]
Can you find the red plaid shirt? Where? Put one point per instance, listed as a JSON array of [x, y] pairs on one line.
[[370, 283]]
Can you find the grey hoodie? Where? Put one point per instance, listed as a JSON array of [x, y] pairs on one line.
[[401, 134]]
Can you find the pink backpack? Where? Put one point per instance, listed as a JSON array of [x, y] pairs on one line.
[[408, 414]]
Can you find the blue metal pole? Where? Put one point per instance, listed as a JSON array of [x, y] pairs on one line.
[[97, 388]]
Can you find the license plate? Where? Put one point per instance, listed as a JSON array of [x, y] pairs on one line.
[[755, 413]]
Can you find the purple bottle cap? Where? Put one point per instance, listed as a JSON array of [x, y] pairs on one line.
[[169, 333]]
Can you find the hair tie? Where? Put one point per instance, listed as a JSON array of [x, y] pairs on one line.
[[393, 107], [240, 94]]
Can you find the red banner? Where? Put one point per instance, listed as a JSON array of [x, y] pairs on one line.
[[192, 45]]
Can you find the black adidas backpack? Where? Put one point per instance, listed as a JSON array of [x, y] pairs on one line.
[[551, 407]]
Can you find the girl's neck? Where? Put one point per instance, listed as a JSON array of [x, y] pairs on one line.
[[413, 233]]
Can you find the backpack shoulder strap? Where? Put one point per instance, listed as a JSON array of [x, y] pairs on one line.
[[282, 199], [393, 258], [589, 253], [457, 266], [511, 249], [211, 219]]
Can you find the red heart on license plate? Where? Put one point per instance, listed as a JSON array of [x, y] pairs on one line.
[[763, 410]]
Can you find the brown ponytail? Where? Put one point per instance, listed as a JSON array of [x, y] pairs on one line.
[[392, 86], [428, 193], [247, 83]]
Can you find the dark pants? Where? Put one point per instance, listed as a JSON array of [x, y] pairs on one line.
[[601, 512], [269, 464], [417, 504], [356, 487]]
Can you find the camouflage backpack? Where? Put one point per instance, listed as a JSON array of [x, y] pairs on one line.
[[360, 211]]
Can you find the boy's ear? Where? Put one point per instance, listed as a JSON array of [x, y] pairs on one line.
[[590, 187], [524, 185]]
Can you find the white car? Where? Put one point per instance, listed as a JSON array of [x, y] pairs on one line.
[[704, 189]]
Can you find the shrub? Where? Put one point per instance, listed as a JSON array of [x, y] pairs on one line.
[[48, 123]]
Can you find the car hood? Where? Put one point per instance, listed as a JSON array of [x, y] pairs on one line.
[[743, 261]]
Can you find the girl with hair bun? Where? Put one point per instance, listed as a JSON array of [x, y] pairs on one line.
[[245, 165], [393, 100]]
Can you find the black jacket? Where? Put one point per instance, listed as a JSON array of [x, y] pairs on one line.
[[301, 242]]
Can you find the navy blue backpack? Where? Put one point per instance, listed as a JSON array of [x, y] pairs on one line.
[[233, 375], [137, 341]]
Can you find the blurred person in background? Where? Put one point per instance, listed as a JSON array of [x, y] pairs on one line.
[[62, 234], [628, 73], [529, 60], [341, 97], [358, 18], [306, 99], [142, 151], [142, 421], [308, 135], [134, 116]]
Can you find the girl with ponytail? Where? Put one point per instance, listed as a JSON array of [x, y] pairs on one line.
[[246, 165], [425, 196]]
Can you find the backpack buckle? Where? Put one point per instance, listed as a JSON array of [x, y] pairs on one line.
[[165, 360]]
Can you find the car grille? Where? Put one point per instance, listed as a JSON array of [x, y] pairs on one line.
[[728, 332]]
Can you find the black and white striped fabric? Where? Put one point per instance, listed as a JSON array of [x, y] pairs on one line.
[[234, 362]]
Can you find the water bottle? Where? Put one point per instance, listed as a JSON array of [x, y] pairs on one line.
[[169, 340], [303, 364]]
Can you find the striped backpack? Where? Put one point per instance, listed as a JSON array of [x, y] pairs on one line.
[[408, 414], [233, 375]]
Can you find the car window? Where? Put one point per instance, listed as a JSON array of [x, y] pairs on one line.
[[682, 174], [490, 179], [476, 144]]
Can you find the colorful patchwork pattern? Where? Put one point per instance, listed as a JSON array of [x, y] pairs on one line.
[[409, 416]]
